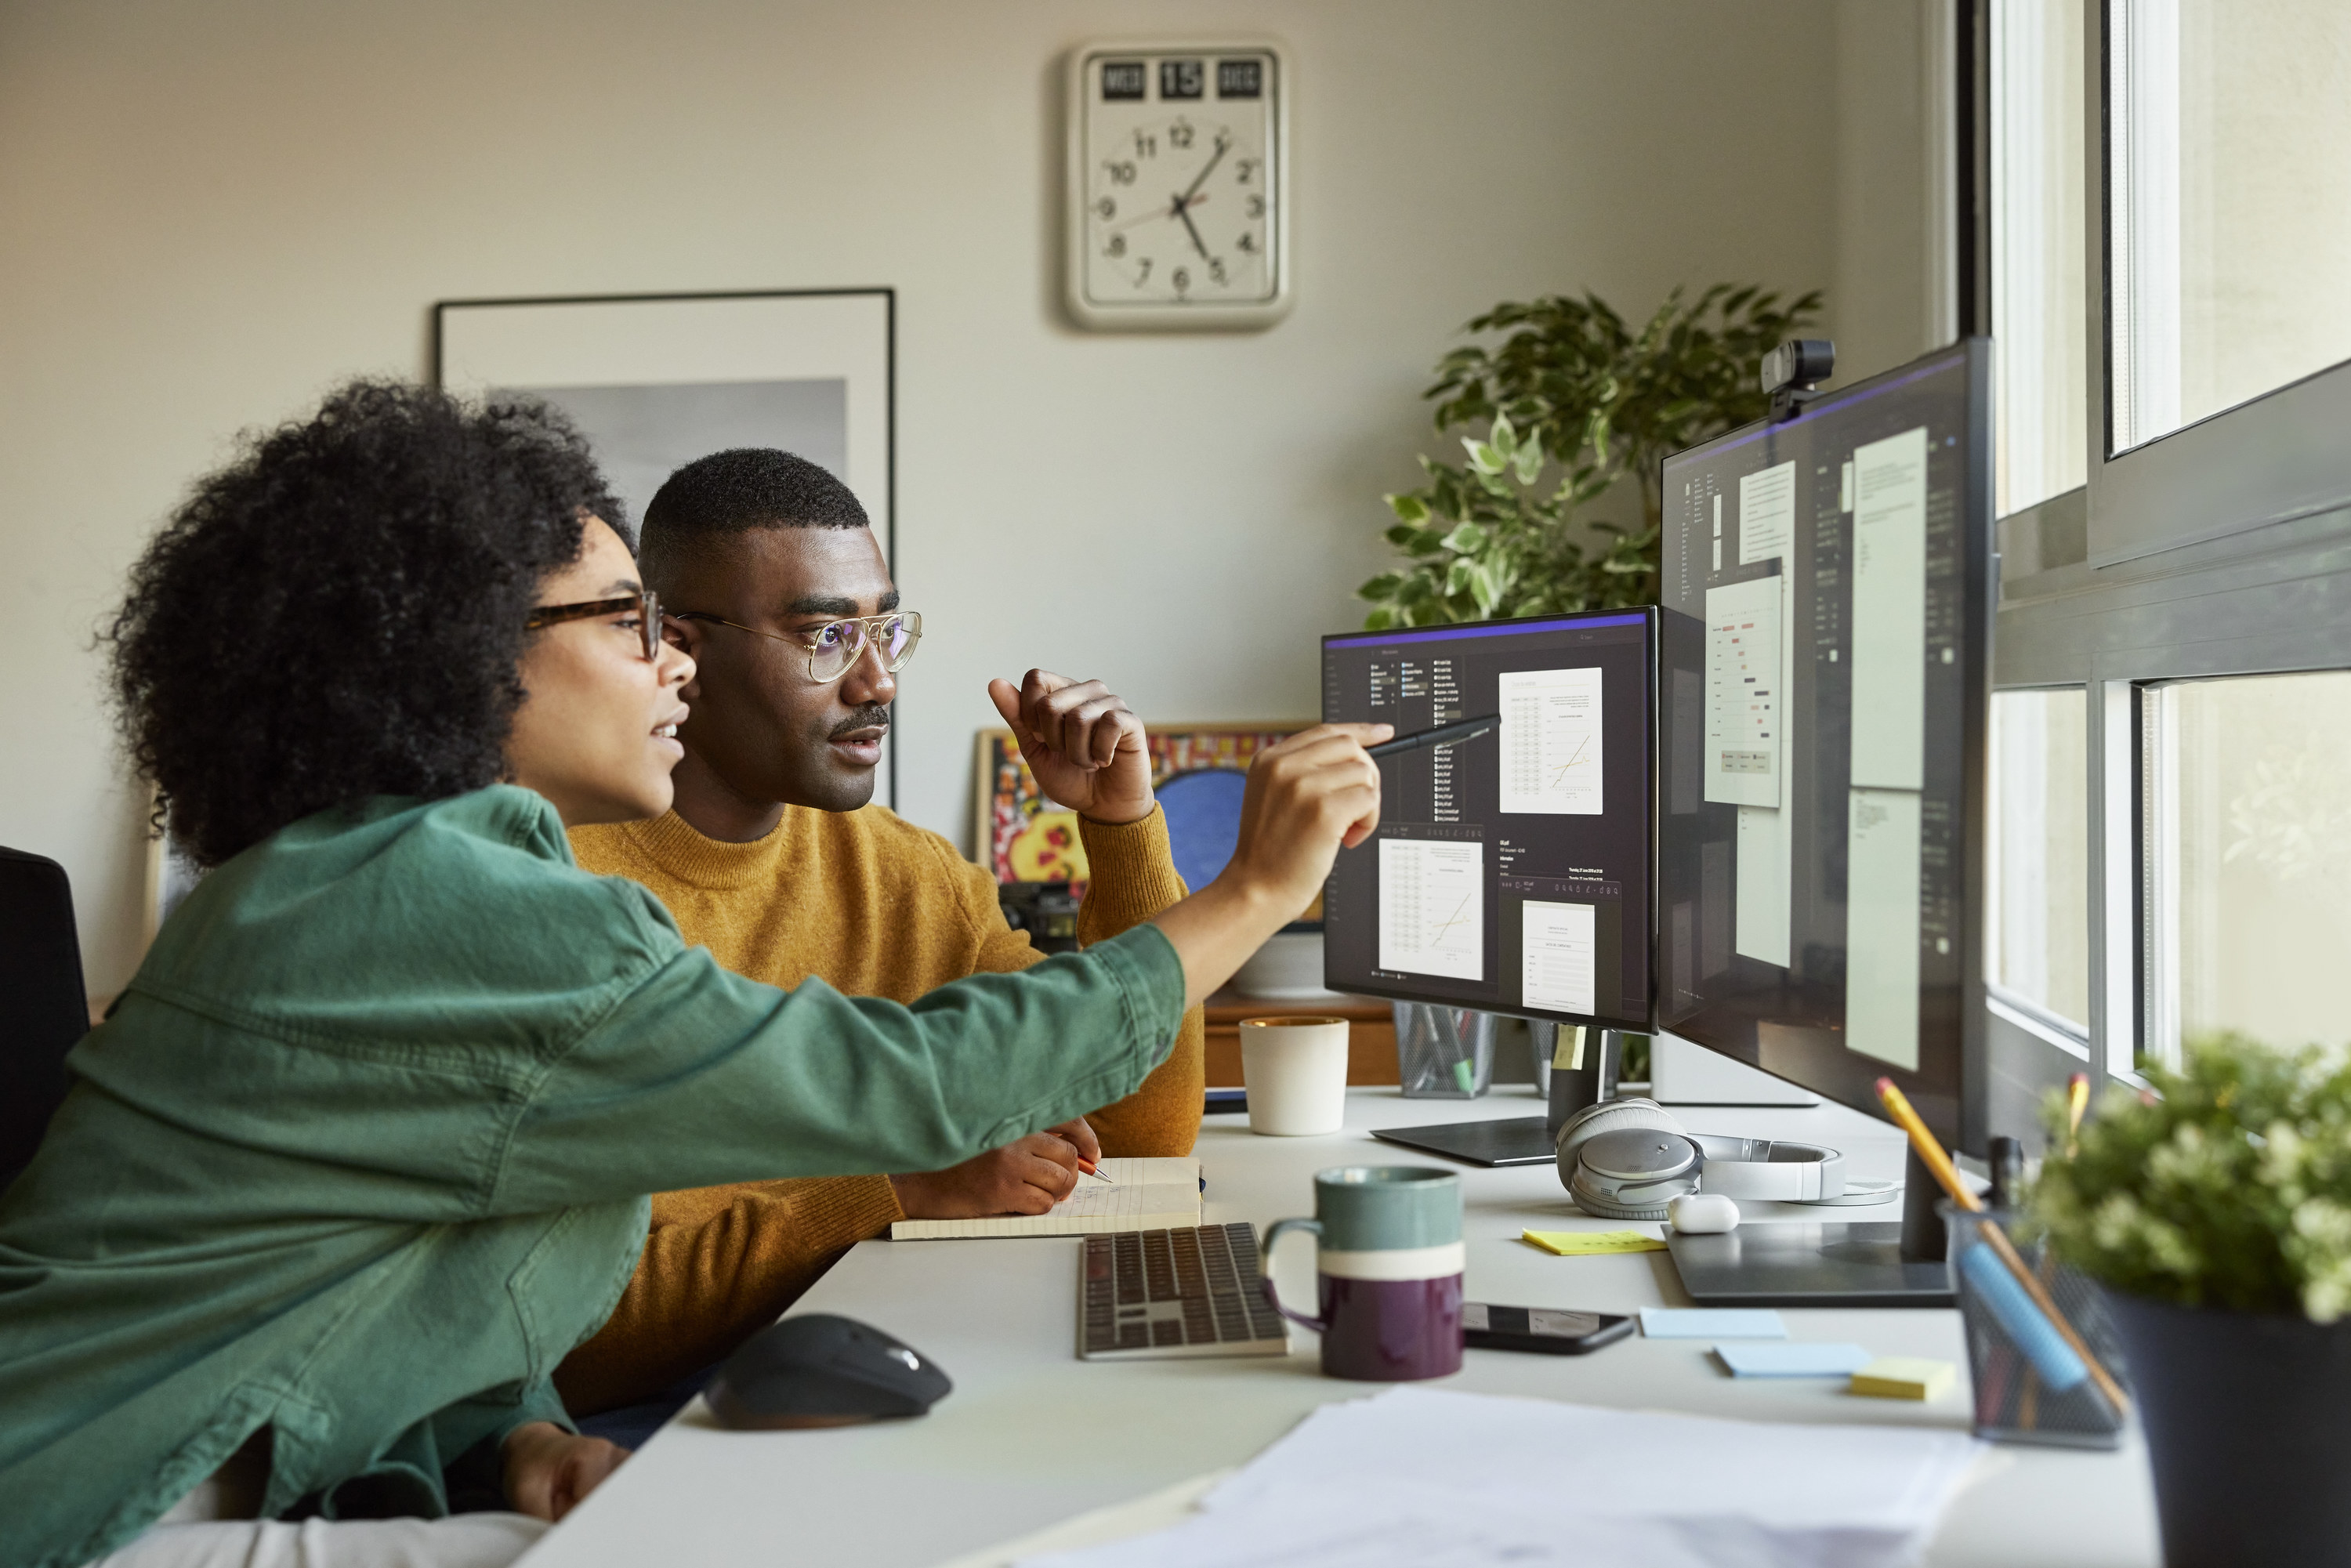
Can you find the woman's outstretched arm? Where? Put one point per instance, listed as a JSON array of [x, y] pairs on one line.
[[699, 1077]]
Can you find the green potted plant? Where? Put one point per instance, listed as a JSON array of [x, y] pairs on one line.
[[1569, 402], [2215, 1212]]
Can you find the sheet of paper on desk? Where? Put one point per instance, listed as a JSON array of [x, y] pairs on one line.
[[1428, 1478], [1353, 1531], [1141, 1195]]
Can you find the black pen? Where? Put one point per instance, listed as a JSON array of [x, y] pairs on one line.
[[1443, 734]]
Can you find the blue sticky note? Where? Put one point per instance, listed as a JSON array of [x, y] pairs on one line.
[[1712, 1322], [1793, 1360]]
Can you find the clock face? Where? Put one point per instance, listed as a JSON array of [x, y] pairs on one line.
[[1181, 163]]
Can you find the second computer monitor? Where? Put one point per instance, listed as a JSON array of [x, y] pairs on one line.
[[1510, 872], [1827, 630]]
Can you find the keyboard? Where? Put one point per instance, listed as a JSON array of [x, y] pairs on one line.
[[1190, 1292]]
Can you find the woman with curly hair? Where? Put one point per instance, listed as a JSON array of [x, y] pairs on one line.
[[363, 1149]]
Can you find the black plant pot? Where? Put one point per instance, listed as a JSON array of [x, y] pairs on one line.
[[2247, 1419]]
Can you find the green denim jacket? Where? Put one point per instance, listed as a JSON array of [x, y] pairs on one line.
[[365, 1148]]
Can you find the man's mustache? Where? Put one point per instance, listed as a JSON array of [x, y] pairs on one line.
[[873, 716]]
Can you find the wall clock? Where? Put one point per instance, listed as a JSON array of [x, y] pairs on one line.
[[1179, 190]]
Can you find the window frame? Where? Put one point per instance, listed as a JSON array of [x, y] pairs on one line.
[[2161, 1027], [2052, 1027], [2123, 630], [2221, 549], [2272, 460]]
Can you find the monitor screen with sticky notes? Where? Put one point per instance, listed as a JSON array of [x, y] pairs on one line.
[[1827, 650]]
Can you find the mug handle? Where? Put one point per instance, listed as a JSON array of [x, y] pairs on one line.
[[1265, 1264]]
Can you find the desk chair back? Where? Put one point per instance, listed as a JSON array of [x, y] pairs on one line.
[[43, 1008]]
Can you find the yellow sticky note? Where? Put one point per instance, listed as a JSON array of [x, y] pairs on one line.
[[1592, 1243], [1905, 1377]]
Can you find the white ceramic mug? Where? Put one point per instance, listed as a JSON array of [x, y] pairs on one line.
[[1296, 1073]]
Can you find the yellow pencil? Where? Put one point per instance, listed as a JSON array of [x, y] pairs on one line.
[[2077, 1102], [1931, 1154]]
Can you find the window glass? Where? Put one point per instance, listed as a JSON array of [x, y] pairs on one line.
[[2229, 179], [2039, 303], [2037, 859], [2247, 836]]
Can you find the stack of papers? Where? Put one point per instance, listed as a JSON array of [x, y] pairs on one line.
[[1424, 1479]]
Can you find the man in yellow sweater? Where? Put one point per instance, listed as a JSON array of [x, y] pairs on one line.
[[774, 858]]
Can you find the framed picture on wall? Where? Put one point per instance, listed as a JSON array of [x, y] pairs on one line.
[[655, 380]]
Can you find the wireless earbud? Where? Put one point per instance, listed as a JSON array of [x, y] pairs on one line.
[[1703, 1214]]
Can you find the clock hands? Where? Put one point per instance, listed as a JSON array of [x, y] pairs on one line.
[[1184, 201], [1196, 244], [1154, 214], [1181, 204]]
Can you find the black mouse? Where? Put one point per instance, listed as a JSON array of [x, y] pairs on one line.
[[819, 1370]]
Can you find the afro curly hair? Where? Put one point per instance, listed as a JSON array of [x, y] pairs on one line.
[[339, 612]]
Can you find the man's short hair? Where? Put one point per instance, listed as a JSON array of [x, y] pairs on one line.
[[734, 492]]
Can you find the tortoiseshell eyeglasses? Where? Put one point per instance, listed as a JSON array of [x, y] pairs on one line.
[[646, 603]]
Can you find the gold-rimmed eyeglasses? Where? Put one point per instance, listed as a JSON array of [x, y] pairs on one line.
[[834, 648], [647, 604]]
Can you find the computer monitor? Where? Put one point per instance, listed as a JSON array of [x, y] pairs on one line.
[[1823, 688], [1510, 872]]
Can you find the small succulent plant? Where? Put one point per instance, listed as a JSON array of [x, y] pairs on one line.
[[2227, 1185]]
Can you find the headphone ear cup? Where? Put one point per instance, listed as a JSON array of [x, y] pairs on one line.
[[1609, 1116], [1600, 1208], [1634, 1173]]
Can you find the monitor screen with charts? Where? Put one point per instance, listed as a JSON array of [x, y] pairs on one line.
[[1825, 663], [1510, 872]]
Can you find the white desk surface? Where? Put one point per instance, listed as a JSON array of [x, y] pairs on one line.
[[1032, 1436]]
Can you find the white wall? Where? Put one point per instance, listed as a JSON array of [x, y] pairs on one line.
[[209, 213], [1889, 298]]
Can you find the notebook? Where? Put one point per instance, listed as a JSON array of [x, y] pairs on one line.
[[1142, 1195]]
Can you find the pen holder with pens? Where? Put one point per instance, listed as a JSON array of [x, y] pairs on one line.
[[2039, 1377], [1443, 1053]]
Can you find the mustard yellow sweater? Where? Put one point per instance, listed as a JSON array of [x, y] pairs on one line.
[[874, 906]]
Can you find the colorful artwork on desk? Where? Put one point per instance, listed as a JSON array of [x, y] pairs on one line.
[[1023, 836]]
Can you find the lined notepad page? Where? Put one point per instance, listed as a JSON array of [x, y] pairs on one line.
[[1145, 1194]]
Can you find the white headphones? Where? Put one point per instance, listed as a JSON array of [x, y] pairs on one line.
[[1627, 1159]]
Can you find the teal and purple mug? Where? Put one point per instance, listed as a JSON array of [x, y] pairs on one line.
[[1387, 1272]]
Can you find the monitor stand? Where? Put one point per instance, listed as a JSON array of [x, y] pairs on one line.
[[1526, 1140], [1513, 1141], [1799, 1263]]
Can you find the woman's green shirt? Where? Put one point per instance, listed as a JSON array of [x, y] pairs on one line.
[[365, 1148]]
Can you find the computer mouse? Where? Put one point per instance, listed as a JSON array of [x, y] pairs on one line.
[[819, 1370]]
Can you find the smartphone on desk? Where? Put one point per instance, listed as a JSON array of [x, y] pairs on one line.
[[1543, 1329]]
